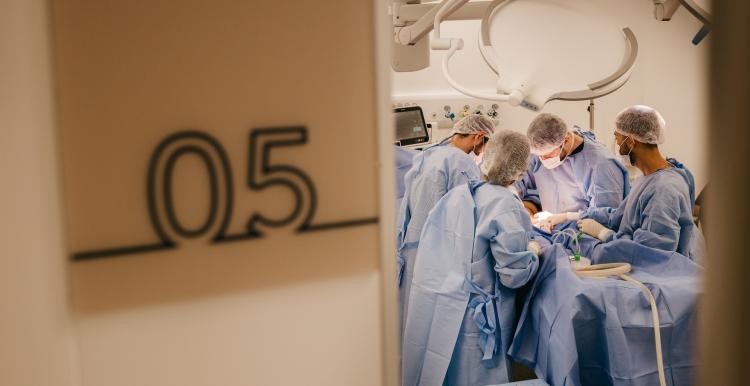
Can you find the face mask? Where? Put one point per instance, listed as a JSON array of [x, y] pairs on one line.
[[624, 158], [477, 158], [553, 162], [473, 153]]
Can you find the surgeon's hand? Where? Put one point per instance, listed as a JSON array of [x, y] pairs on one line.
[[531, 208], [539, 220], [593, 228], [550, 221]]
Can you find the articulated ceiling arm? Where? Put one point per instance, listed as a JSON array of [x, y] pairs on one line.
[[665, 9], [413, 22]]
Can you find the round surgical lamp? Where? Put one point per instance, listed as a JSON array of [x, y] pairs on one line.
[[545, 50]]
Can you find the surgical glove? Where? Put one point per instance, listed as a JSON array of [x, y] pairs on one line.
[[550, 221], [534, 247], [593, 228], [561, 218]]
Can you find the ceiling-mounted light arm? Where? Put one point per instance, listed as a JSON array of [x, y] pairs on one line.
[[413, 22], [484, 34], [611, 83], [514, 98], [697, 11], [701, 14], [595, 90], [665, 9], [452, 45], [446, 8]]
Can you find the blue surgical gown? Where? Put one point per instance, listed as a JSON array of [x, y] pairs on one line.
[[435, 171], [591, 178], [404, 161], [658, 213], [461, 315]]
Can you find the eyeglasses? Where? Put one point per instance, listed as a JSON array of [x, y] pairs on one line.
[[554, 153]]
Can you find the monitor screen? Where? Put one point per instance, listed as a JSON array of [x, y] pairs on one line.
[[410, 126]]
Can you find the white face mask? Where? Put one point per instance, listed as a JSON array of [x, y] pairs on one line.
[[477, 158], [473, 153], [553, 162], [624, 158]]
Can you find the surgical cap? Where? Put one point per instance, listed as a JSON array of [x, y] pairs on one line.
[[642, 123], [474, 124], [546, 132], [506, 156]]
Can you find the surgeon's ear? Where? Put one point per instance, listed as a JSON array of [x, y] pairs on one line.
[[631, 143]]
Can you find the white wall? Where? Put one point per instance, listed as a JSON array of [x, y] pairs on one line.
[[670, 75], [36, 341]]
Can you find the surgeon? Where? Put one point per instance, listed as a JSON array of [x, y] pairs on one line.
[[434, 172], [475, 250], [404, 161], [658, 212], [570, 173]]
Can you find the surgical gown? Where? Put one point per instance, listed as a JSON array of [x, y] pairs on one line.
[[590, 178], [658, 213], [461, 315], [404, 161], [435, 171]]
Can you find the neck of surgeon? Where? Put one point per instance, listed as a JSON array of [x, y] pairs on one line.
[[647, 158], [575, 141]]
